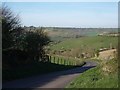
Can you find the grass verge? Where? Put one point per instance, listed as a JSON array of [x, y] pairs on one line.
[[97, 77]]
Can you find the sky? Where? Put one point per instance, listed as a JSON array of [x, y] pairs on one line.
[[67, 14]]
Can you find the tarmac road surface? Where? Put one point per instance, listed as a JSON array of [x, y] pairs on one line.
[[52, 80]]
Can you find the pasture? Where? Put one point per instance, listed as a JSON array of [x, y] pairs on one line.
[[95, 42], [74, 47]]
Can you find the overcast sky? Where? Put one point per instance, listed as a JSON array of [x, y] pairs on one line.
[[67, 14]]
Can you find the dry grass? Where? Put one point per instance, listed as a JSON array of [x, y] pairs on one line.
[[108, 54], [109, 67]]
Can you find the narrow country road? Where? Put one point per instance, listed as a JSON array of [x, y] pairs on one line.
[[53, 80]]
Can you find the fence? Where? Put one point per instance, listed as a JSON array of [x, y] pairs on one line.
[[64, 61]]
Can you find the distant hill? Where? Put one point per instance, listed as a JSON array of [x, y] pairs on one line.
[[61, 33]]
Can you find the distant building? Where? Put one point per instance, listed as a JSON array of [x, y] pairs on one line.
[[109, 34]]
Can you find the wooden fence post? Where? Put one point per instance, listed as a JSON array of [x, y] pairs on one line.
[[61, 61], [54, 60], [50, 58], [64, 62], [67, 62], [47, 57], [58, 61]]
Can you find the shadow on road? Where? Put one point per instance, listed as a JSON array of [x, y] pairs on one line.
[[39, 81]]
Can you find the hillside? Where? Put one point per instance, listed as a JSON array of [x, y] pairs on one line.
[[76, 46], [95, 42]]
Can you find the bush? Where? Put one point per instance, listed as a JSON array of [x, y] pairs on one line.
[[11, 28]]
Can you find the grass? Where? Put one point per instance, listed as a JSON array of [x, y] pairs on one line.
[[94, 79], [95, 42], [97, 78]]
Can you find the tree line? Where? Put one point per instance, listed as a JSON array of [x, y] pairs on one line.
[[20, 47]]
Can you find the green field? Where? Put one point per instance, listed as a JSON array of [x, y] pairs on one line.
[[97, 78], [95, 42], [76, 46]]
